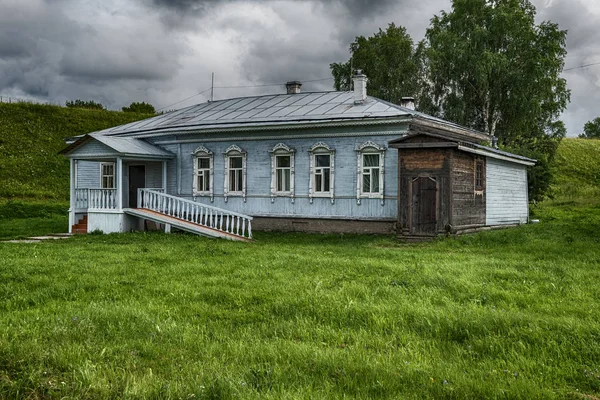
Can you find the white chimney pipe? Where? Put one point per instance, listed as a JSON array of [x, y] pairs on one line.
[[360, 87]]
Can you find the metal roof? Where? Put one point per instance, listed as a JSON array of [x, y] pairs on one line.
[[266, 110]]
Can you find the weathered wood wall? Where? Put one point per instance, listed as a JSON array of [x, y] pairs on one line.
[[425, 162], [507, 201], [468, 204]]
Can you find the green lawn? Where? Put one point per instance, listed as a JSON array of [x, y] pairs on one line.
[[503, 314]]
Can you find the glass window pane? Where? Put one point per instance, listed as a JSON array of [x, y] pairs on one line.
[[204, 163], [375, 179], [287, 180], [326, 179], [232, 181], [200, 182], [279, 180], [318, 183], [235, 162], [283, 161], [322, 160], [371, 160], [366, 183], [239, 180]]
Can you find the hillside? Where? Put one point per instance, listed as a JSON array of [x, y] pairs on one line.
[[31, 135], [577, 170]]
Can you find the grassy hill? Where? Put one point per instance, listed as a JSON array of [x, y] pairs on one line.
[[577, 170], [31, 135]]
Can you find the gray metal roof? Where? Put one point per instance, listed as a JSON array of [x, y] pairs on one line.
[[266, 110]]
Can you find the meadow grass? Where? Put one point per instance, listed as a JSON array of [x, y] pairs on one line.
[[503, 314]]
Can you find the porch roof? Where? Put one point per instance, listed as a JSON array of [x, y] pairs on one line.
[[95, 145]]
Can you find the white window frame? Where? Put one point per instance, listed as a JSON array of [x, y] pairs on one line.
[[203, 152], [279, 150], [102, 176], [369, 148], [316, 149], [235, 151]]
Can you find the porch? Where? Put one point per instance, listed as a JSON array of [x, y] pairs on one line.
[[118, 184]]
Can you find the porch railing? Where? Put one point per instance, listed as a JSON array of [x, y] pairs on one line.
[[102, 199], [197, 213], [81, 198]]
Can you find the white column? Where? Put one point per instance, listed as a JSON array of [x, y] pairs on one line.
[[72, 194], [119, 183], [164, 176]]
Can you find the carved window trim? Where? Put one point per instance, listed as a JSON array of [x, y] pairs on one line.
[[370, 148], [235, 151], [321, 148], [203, 152], [281, 149]]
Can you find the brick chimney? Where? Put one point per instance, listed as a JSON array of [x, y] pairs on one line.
[[360, 87], [293, 87], [408, 102]]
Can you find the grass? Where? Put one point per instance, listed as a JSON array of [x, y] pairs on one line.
[[510, 314], [502, 314], [31, 135]]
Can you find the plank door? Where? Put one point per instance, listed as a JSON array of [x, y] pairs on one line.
[[424, 206], [137, 180]]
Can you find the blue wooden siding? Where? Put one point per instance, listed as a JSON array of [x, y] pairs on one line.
[[258, 175], [92, 148], [88, 174]]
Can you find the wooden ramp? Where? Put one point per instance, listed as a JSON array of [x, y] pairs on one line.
[[189, 216]]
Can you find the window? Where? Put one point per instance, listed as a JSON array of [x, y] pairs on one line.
[[282, 171], [370, 173], [479, 174], [369, 182], [235, 172], [107, 175], [322, 173], [236, 177], [203, 172], [322, 159]]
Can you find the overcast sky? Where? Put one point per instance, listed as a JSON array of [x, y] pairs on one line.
[[163, 51]]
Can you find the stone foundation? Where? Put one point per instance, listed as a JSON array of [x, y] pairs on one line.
[[311, 225]]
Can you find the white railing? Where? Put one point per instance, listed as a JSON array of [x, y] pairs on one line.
[[81, 198], [197, 213], [102, 199]]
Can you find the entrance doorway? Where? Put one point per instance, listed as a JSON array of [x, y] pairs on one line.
[[137, 180], [424, 206]]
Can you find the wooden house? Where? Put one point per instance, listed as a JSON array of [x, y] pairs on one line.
[[315, 162]]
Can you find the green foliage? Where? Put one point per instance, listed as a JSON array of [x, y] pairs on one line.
[[12, 209], [31, 135], [90, 105], [491, 68], [143, 108], [305, 316], [388, 60], [591, 129]]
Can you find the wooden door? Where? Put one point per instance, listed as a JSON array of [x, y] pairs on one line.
[[424, 206], [137, 180]]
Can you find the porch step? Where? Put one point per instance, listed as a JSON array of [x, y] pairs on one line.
[[81, 225], [184, 225]]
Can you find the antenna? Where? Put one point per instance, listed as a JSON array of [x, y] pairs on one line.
[[212, 87]]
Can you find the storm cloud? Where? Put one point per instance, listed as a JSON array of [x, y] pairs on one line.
[[163, 51]]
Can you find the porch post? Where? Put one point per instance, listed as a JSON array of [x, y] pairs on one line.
[[164, 176], [119, 183], [71, 194]]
